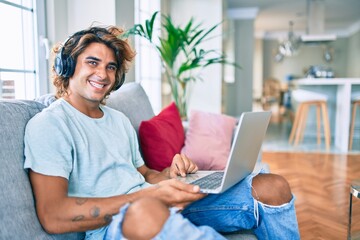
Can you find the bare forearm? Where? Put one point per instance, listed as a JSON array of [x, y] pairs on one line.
[[82, 214]]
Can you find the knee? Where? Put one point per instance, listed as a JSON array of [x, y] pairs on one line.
[[271, 189], [144, 219]]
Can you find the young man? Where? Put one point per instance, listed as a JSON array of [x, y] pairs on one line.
[[81, 180]]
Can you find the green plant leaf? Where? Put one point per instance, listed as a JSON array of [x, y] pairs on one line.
[[180, 53], [207, 33], [150, 26]]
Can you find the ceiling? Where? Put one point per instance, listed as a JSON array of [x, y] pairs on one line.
[[341, 17]]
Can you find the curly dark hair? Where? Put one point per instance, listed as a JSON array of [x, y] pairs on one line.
[[110, 36]]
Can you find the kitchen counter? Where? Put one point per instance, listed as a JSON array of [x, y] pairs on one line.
[[343, 105]]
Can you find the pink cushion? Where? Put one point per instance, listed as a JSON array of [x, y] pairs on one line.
[[208, 139], [161, 138]]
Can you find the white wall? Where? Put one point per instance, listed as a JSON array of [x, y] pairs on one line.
[[85, 13], [67, 17], [258, 69], [308, 55], [206, 95], [353, 68]]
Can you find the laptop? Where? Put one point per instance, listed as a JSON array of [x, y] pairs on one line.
[[245, 148]]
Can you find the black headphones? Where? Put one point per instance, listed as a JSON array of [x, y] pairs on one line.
[[64, 65]]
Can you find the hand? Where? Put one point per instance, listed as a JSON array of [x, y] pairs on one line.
[[182, 165], [176, 193]]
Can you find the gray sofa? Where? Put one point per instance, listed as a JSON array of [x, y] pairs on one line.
[[18, 220]]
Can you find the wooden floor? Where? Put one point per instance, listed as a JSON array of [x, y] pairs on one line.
[[321, 184]]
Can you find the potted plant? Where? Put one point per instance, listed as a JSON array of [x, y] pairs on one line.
[[181, 54]]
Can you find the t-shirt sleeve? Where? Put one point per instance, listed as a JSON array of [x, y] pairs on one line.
[[48, 147]]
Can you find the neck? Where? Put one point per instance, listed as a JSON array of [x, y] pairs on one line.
[[89, 108]]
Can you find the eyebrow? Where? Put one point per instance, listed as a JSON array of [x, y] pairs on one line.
[[99, 60]]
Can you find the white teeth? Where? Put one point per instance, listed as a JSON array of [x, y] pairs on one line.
[[96, 85]]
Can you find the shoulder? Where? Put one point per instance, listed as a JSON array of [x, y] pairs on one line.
[[52, 115]]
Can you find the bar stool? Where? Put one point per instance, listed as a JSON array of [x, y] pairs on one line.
[[306, 99], [354, 192], [355, 100]]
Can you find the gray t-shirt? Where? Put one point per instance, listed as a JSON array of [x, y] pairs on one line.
[[98, 157]]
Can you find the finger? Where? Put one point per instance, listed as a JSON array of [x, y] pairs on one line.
[[179, 164], [180, 193], [187, 162], [181, 186], [174, 172], [192, 167], [181, 168]]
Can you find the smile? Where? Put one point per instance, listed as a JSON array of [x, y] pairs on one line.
[[96, 85]]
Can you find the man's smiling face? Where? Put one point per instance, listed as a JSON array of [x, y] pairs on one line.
[[94, 74]]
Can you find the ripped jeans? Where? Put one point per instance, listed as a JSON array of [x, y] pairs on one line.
[[233, 210], [176, 227], [236, 209]]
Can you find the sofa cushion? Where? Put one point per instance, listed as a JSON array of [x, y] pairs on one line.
[[17, 212], [132, 100], [161, 138], [46, 99], [208, 139]]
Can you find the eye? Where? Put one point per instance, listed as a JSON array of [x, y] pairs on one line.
[[112, 67], [93, 63]]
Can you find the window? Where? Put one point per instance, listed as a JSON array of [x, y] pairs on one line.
[[147, 63], [22, 62]]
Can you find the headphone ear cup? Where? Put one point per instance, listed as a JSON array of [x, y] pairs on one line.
[[64, 66], [58, 64], [70, 67]]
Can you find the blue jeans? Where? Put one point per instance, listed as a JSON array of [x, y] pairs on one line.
[[176, 227], [236, 209], [233, 210]]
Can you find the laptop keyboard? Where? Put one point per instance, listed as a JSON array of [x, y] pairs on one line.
[[211, 181]]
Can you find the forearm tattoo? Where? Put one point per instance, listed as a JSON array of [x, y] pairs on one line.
[[78, 218], [107, 218], [81, 201], [94, 212]]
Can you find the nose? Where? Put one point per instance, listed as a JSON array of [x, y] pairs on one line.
[[101, 72]]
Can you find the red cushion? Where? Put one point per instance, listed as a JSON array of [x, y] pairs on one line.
[[161, 138]]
